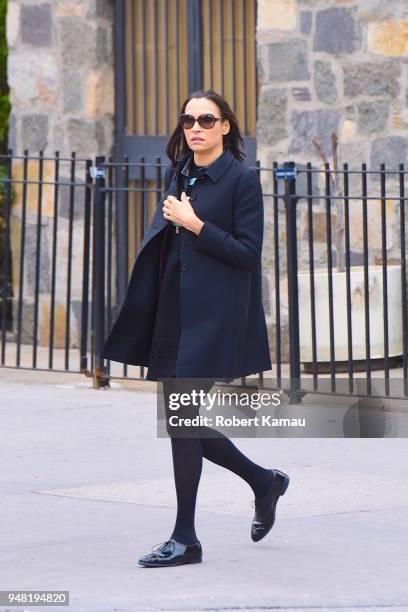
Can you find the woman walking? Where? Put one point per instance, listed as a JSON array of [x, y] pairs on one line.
[[193, 307]]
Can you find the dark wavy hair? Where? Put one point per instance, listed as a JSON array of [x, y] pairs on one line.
[[177, 145]]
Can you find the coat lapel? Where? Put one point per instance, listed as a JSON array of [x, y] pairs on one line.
[[158, 222]]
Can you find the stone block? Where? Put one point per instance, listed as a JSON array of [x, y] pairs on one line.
[[72, 8], [32, 248], [76, 193], [60, 321], [373, 116], [373, 224], [391, 150], [101, 8], [325, 82], [399, 121], [36, 24], [348, 130], [78, 43], [47, 200], [337, 31], [43, 322], [99, 94], [59, 138], [313, 124], [319, 226], [388, 38], [378, 10], [81, 135], [272, 122], [277, 15], [27, 321], [34, 133], [288, 61], [85, 137], [72, 91], [372, 79], [33, 79]]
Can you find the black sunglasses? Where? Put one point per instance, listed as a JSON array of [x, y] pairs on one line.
[[206, 121]]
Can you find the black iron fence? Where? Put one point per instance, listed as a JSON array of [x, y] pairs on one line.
[[334, 269], [347, 316], [46, 219]]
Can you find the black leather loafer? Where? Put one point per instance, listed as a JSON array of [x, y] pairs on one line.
[[265, 507], [172, 552]]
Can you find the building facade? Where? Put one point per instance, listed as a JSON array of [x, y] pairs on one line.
[[107, 78]]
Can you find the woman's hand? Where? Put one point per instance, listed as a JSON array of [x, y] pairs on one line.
[[182, 213]]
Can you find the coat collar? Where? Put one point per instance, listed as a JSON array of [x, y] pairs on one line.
[[215, 170]]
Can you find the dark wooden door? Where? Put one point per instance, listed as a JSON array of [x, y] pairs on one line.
[[166, 49]]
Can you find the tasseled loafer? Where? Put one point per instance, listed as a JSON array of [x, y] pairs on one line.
[[265, 507], [171, 553]]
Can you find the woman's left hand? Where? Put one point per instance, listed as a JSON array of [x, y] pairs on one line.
[[181, 212]]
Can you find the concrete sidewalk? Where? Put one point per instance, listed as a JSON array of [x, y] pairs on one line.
[[87, 488]]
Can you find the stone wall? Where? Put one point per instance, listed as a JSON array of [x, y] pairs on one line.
[[60, 72], [325, 66]]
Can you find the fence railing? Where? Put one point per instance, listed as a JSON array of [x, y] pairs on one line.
[[45, 261], [347, 314], [334, 268]]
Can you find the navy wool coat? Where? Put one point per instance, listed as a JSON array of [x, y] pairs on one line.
[[223, 330]]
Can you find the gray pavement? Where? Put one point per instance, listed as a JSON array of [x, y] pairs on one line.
[[86, 488]]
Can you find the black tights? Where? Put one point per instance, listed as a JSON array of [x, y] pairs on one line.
[[188, 456]]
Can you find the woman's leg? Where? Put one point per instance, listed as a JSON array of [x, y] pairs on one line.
[[187, 462], [187, 466], [219, 449], [222, 451]]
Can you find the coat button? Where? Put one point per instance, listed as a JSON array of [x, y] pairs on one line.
[[184, 267]]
